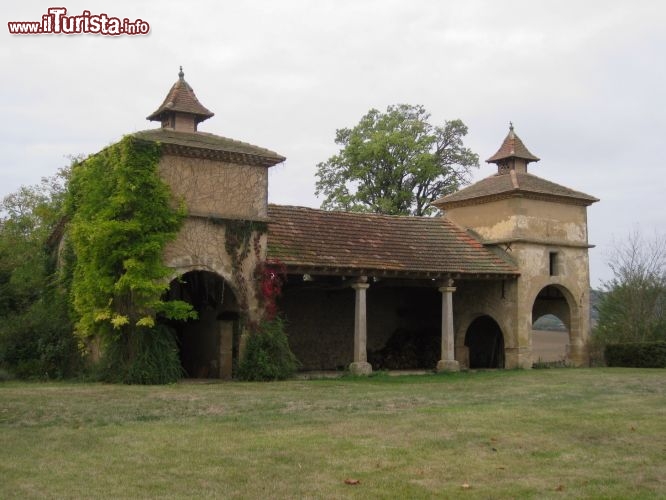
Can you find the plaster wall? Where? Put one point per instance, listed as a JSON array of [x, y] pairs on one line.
[[218, 189], [523, 218]]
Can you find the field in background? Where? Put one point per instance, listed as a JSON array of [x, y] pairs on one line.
[[549, 346], [558, 433]]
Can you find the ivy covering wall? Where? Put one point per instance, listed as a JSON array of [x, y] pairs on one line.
[[121, 216]]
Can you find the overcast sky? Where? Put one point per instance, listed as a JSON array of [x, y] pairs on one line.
[[584, 83]]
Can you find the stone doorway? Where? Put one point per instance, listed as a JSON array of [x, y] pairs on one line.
[[208, 344], [485, 342]]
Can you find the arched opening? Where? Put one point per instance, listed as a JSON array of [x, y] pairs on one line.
[[485, 343], [208, 344], [551, 320]]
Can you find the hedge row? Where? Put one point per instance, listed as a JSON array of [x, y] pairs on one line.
[[637, 354]]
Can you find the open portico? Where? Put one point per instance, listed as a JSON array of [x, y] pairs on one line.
[[366, 288]]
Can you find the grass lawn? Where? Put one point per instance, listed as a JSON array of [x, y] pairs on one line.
[[561, 433]]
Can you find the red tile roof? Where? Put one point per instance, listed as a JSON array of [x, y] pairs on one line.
[[359, 243], [181, 98], [514, 184], [512, 147]]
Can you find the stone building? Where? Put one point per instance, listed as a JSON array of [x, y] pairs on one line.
[[459, 290]]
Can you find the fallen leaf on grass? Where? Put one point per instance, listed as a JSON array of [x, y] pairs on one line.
[[352, 481]]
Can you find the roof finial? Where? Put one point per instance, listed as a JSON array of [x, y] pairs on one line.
[[181, 75], [510, 123]]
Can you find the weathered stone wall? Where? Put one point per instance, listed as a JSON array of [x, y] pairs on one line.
[[215, 188], [218, 190], [572, 280], [532, 230], [200, 246], [475, 298], [320, 326]]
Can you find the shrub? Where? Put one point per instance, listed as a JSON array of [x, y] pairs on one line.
[[267, 354], [146, 356], [39, 343], [637, 354]]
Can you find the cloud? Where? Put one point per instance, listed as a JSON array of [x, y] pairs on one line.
[[582, 81]]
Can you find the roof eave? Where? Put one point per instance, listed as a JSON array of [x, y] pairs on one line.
[[331, 270], [443, 204], [216, 154], [497, 157], [159, 114]]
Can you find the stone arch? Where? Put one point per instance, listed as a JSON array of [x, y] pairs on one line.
[[182, 265], [209, 344], [467, 317], [485, 343], [558, 300]]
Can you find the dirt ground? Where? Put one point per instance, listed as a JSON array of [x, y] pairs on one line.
[[549, 345]]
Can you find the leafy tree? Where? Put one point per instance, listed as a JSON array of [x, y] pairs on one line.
[[395, 163], [36, 337], [633, 305]]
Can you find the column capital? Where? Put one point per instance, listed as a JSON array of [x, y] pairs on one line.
[[446, 283], [360, 283], [447, 289]]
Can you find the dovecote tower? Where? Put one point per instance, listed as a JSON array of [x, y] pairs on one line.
[[543, 227], [223, 184]]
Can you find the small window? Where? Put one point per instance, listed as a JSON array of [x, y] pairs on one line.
[[553, 264]]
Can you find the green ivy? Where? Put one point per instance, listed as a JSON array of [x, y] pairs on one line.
[[121, 218], [240, 238]]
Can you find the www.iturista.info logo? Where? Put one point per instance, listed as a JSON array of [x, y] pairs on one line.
[[57, 22]]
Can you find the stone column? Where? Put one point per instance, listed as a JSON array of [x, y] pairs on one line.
[[226, 331], [448, 362], [360, 366]]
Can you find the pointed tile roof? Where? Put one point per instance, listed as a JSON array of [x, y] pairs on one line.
[[181, 98], [514, 184], [347, 243], [512, 147]]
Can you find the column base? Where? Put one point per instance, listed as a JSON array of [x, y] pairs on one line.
[[360, 368], [448, 365]]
